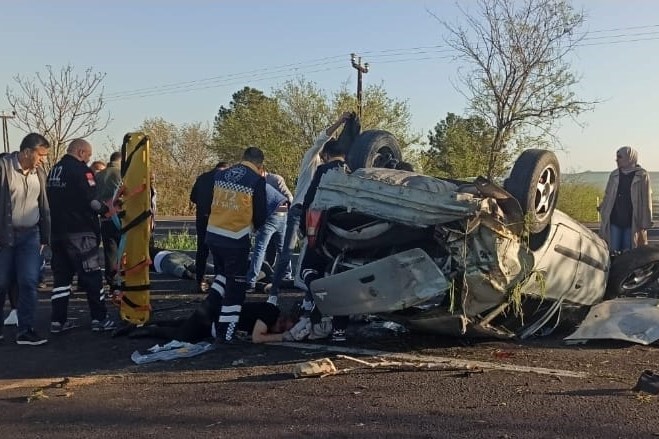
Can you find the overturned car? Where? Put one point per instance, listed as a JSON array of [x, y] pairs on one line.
[[463, 257]]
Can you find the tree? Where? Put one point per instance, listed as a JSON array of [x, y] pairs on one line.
[[60, 105], [379, 111], [178, 155], [520, 78], [254, 119], [459, 147]]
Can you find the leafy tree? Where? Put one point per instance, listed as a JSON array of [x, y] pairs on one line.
[[379, 111], [254, 119], [178, 155], [458, 147], [62, 105], [519, 77]]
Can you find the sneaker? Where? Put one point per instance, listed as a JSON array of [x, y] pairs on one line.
[[57, 327], [272, 300], [103, 325], [339, 335], [31, 338], [12, 318]]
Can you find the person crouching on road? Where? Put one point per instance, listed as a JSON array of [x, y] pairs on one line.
[[239, 206], [626, 210], [75, 213]]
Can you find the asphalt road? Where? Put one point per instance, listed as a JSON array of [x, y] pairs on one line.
[[459, 387]]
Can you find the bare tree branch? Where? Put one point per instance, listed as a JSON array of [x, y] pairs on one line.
[[62, 105]]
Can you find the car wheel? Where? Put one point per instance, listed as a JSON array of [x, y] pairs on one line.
[[633, 272], [534, 181], [373, 149]]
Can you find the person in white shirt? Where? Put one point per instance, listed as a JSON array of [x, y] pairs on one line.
[[311, 160]]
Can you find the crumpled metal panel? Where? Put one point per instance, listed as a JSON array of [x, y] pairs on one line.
[[630, 319], [399, 196], [388, 284]]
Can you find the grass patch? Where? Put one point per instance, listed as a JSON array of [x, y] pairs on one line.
[[580, 200], [178, 241]]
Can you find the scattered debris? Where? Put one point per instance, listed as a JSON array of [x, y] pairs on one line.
[[315, 368], [648, 382], [630, 319], [171, 351], [40, 392]]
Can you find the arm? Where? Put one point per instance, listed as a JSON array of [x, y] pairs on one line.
[[259, 205], [260, 334], [330, 129]]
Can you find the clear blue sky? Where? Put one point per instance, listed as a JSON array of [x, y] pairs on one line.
[[142, 44]]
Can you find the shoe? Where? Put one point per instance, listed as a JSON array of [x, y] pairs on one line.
[[648, 382], [12, 318], [103, 325], [339, 335], [272, 300], [30, 338], [251, 290], [57, 327], [42, 285]]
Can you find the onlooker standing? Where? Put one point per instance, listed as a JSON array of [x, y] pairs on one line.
[[108, 181], [313, 265], [98, 166], [76, 230], [278, 198], [202, 197], [310, 162], [238, 207], [626, 210], [24, 229]]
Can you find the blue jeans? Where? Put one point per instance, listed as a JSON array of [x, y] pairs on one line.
[[621, 238], [283, 264], [275, 226], [22, 260]]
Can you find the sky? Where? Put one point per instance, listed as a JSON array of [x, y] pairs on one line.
[[182, 60]]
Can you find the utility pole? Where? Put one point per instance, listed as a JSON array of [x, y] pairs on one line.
[[5, 131], [361, 69]]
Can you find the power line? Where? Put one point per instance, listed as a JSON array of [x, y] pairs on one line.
[[287, 70]]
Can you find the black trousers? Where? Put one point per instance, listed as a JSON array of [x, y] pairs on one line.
[[110, 236], [77, 254], [201, 255], [231, 265]]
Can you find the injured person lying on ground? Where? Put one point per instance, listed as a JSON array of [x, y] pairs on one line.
[[175, 263], [264, 322]]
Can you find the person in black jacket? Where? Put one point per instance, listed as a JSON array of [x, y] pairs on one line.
[[202, 197], [238, 208], [313, 264], [75, 230]]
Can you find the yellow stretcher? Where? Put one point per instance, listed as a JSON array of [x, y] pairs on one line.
[[135, 195]]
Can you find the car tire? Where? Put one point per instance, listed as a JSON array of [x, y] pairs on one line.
[[632, 272], [534, 181], [373, 149]]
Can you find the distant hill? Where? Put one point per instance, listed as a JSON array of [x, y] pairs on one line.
[[599, 179]]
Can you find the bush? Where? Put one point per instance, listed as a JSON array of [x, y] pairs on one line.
[[580, 201], [178, 241]]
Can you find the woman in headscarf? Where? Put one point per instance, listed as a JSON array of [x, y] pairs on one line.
[[626, 211]]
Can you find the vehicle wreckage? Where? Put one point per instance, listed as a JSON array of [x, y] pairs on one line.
[[455, 257]]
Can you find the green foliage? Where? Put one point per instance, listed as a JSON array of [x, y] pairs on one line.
[[459, 148], [178, 241], [580, 201], [285, 124], [178, 155]]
